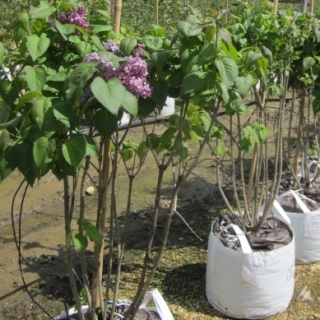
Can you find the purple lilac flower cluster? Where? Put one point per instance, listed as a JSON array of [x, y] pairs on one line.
[[112, 46], [132, 73], [75, 17]]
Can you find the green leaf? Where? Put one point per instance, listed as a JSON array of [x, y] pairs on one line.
[[10, 91], [35, 77], [244, 85], [91, 147], [223, 92], [126, 154], [127, 45], [109, 93], [105, 122], [65, 30], [90, 230], [21, 27], [267, 53], [308, 62], [189, 58], [4, 137], [225, 36], [219, 150], [74, 85], [130, 103], [43, 153], [159, 59], [195, 82], [97, 42], [74, 150], [188, 29], [98, 29], [104, 13], [26, 98], [142, 150], [39, 109], [11, 123], [2, 53], [80, 242], [228, 70], [37, 46], [153, 43], [207, 53], [68, 240], [252, 57], [64, 113], [43, 10], [159, 91], [83, 48], [316, 106], [8, 162]]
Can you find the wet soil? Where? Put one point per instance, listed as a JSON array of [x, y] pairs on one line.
[[181, 276]]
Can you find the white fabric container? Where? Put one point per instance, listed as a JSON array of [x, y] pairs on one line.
[[125, 119], [167, 110], [247, 284], [306, 227]]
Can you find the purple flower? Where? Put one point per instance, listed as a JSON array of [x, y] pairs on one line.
[[132, 75], [112, 46], [138, 51], [77, 18], [93, 56], [135, 67]]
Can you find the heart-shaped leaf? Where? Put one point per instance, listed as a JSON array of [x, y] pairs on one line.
[[195, 82], [36, 77], [74, 150], [244, 84], [43, 10], [127, 45], [43, 151], [109, 93], [37, 46], [153, 43]]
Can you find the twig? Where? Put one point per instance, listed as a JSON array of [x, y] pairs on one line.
[[186, 223]]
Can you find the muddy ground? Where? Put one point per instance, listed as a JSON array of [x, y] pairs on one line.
[[181, 276]]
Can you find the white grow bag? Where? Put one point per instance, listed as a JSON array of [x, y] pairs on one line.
[[247, 284], [160, 307], [306, 227], [167, 110]]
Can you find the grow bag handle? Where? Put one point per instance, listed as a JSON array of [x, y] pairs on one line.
[[245, 246]]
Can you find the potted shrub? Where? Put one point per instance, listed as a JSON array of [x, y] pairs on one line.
[[61, 74], [301, 201], [250, 275], [64, 74], [296, 34]]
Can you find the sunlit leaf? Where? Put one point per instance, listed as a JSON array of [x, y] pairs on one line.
[[36, 77], [80, 242], [43, 10], [127, 45], [90, 230], [37, 46], [109, 93]]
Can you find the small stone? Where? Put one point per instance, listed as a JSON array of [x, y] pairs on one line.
[[90, 191]]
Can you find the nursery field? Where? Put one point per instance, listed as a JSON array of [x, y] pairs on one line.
[[181, 276]]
